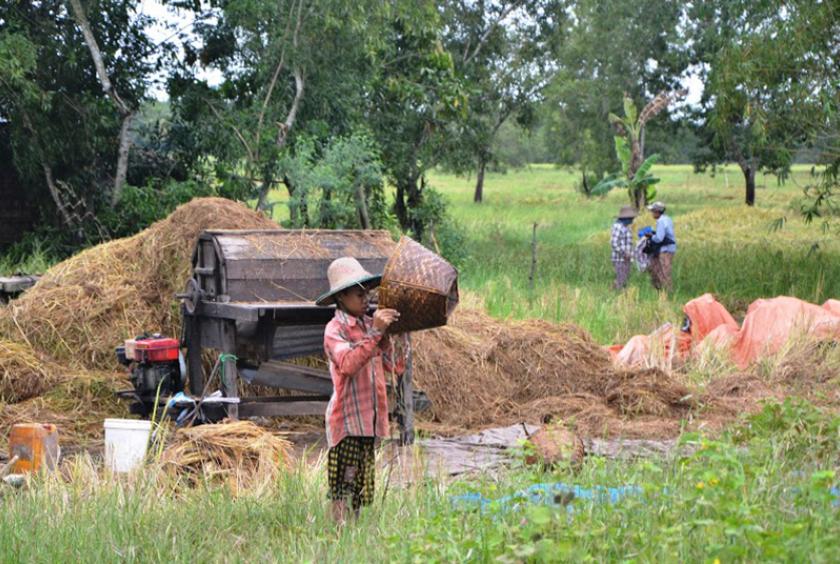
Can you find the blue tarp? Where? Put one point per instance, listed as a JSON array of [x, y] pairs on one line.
[[555, 494], [559, 494]]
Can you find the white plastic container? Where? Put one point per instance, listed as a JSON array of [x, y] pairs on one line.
[[125, 443]]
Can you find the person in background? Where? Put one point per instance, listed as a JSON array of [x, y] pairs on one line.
[[664, 245], [621, 241], [359, 352]]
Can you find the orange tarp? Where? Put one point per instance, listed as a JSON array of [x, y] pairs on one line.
[[767, 326]]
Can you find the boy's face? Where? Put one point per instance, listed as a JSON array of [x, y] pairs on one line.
[[355, 300]]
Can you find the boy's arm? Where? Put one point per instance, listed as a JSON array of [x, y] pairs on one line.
[[349, 357]]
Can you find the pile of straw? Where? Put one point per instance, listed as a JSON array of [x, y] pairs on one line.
[[239, 454], [479, 371], [84, 306], [77, 402], [23, 373]]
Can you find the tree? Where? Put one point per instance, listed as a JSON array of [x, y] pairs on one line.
[[609, 48], [503, 52], [764, 69], [416, 101], [61, 67], [271, 55]]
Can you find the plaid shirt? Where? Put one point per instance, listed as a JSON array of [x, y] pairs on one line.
[[358, 359], [621, 241]]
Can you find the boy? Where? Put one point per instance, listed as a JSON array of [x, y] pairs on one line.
[[357, 413]]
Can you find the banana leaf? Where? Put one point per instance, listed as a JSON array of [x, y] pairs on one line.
[[644, 169], [623, 152], [607, 184]]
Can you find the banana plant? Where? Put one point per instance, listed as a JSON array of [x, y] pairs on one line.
[[635, 173], [640, 188]]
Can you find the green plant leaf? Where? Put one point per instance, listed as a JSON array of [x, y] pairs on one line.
[[644, 169]]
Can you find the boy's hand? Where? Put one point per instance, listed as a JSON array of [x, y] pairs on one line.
[[383, 318]]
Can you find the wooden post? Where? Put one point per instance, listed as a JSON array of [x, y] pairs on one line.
[[230, 384], [405, 400], [195, 369], [533, 273]]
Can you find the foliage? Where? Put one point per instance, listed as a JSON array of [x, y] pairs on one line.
[[61, 127], [610, 48], [416, 100], [504, 54], [635, 174], [337, 186], [640, 188], [141, 206], [765, 71], [442, 234]]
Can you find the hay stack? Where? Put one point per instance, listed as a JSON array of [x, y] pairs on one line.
[[81, 308], [77, 401], [479, 371], [23, 373], [241, 454]]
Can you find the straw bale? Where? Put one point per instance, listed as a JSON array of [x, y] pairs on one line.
[[23, 373], [239, 454], [82, 307]]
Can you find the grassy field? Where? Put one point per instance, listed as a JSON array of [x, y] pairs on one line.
[[761, 494], [724, 247]]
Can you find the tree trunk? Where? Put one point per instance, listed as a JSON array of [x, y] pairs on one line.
[[479, 181], [408, 198], [749, 180], [415, 200], [361, 204], [122, 160], [296, 212], [108, 88]]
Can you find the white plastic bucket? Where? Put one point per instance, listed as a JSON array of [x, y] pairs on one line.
[[125, 443]]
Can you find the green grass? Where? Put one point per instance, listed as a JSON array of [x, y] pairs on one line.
[[725, 248], [761, 494], [37, 262]]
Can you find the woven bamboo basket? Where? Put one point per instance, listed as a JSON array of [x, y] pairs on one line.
[[419, 284]]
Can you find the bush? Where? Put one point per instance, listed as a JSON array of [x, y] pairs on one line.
[[442, 233], [142, 206]]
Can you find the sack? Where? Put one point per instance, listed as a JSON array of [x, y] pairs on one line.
[[419, 284]]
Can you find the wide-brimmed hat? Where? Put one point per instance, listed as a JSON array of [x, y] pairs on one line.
[[627, 212], [344, 273], [657, 206]]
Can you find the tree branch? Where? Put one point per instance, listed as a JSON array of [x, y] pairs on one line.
[[506, 11], [282, 135], [108, 89], [122, 159], [96, 54], [273, 82], [238, 133]]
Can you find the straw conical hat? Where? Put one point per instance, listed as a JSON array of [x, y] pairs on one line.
[[343, 273]]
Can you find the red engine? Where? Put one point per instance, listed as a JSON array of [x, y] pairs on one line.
[[156, 369]]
